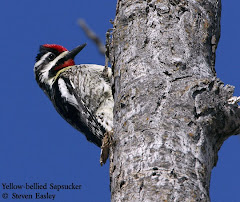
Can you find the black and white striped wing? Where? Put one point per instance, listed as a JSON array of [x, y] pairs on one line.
[[73, 109]]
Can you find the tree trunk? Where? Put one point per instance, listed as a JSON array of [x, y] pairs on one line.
[[171, 113]]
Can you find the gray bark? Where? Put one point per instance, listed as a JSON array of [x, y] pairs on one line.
[[171, 112]]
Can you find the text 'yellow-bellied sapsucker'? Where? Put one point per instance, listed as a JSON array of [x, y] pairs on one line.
[[81, 94]]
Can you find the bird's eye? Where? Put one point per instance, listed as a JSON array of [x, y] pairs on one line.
[[51, 56]]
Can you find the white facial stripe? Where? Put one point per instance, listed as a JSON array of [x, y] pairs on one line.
[[60, 56], [52, 63], [44, 77], [41, 60]]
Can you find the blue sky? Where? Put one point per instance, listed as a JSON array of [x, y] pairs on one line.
[[36, 144]]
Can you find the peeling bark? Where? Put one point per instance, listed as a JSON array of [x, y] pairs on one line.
[[171, 112]]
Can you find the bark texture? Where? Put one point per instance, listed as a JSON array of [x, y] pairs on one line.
[[171, 112]]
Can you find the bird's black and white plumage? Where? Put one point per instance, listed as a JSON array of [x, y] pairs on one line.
[[81, 94]]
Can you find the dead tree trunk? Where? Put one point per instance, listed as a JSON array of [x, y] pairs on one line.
[[171, 111]]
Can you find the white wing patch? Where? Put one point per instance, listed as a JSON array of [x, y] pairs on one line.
[[65, 93], [72, 84]]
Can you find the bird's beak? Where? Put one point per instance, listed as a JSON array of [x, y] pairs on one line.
[[67, 60], [74, 52]]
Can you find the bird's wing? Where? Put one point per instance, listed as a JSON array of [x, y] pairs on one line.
[[78, 114]]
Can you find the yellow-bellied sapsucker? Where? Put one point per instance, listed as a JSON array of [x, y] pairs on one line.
[[81, 94]]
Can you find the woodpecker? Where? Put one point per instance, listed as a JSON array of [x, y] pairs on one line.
[[81, 94]]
